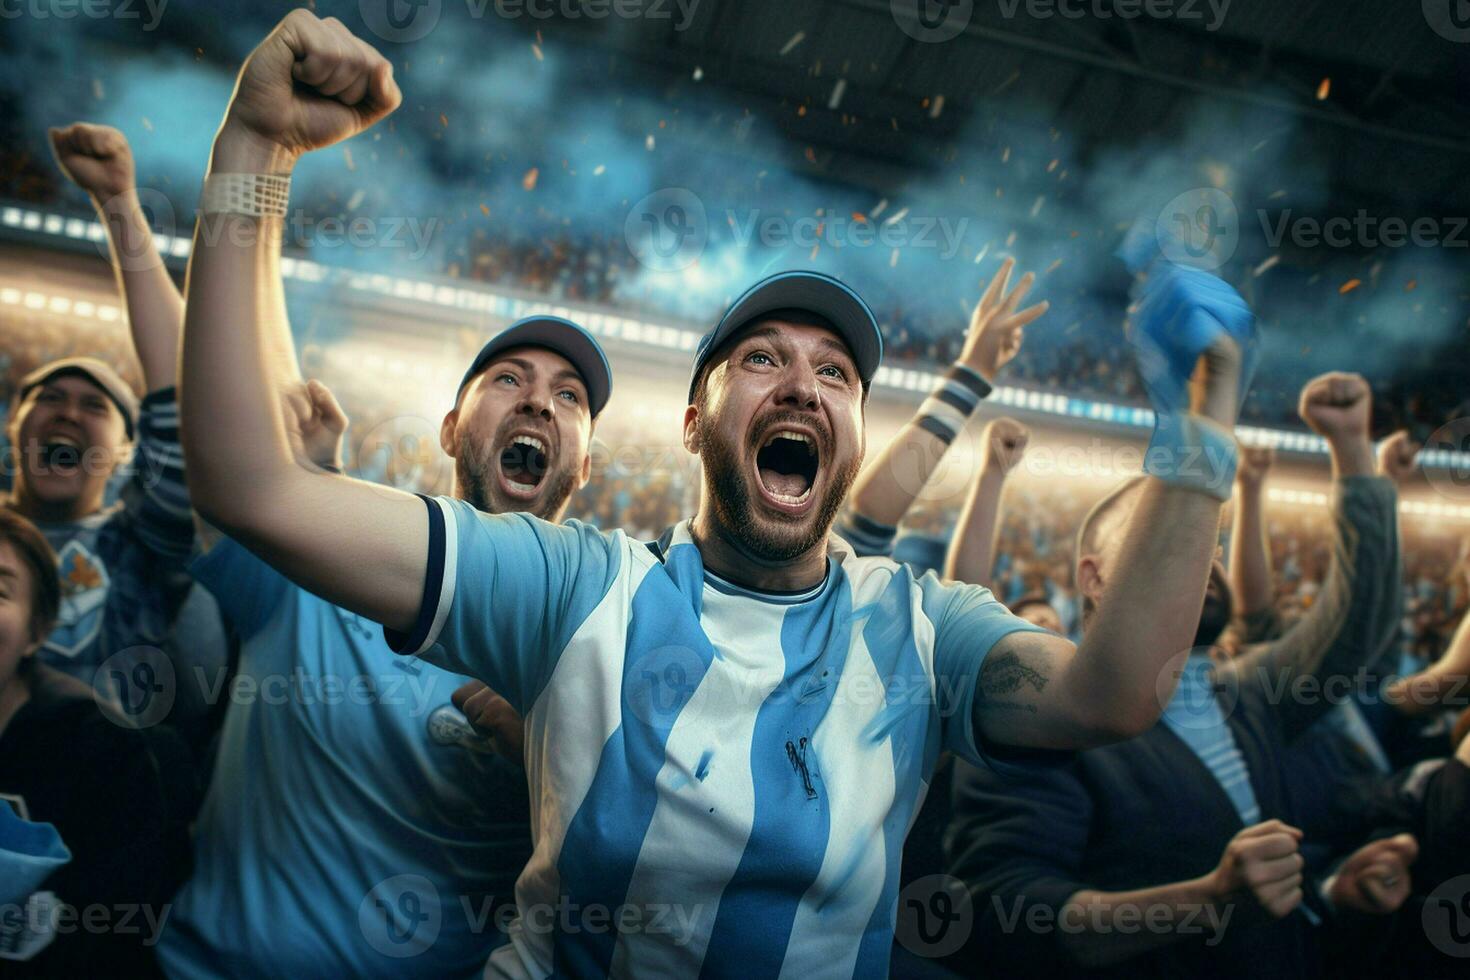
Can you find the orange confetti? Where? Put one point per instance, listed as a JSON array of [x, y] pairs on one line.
[[1324, 89], [443, 120], [1411, 285], [528, 182], [1349, 286], [859, 216], [811, 155], [485, 210], [801, 110]]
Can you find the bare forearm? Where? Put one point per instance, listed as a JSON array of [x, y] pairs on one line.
[[889, 485], [1250, 568], [1100, 929], [155, 308], [972, 552], [1445, 684], [1151, 607]]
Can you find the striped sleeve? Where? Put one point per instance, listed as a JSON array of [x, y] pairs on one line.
[[867, 537], [156, 498]]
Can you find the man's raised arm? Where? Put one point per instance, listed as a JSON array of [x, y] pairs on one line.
[[308, 85], [1190, 332]]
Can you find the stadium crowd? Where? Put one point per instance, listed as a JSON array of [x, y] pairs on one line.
[[1115, 758]]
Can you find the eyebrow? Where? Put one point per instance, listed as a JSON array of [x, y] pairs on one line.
[[7, 572], [530, 368]]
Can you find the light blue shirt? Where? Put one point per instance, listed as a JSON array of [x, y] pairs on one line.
[[1194, 714], [338, 838], [720, 779]]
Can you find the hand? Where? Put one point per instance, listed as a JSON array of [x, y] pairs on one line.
[[1375, 878], [1255, 464], [1396, 456], [493, 717], [1262, 866], [1337, 406], [95, 158], [309, 84], [1190, 331], [315, 424], [996, 326], [1005, 442]]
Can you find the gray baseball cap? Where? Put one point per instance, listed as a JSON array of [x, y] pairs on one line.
[[809, 292], [559, 336]]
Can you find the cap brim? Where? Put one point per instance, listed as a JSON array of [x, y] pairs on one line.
[[810, 292], [561, 337]]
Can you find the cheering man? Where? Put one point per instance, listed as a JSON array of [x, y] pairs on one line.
[[727, 732]]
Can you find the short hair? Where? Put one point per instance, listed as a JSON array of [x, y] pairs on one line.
[[35, 554], [1089, 533], [1032, 599]]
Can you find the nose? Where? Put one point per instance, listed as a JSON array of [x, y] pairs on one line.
[[536, 402], [798, 388]]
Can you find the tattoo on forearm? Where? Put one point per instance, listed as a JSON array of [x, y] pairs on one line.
[[1005, 673]]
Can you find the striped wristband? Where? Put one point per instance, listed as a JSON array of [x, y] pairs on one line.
[[945, 412], [256, 195]]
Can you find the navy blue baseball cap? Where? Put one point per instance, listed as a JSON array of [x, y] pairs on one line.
[[561, 337], [809, 292]]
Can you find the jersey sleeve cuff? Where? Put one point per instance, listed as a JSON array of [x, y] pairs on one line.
[[439, 581]]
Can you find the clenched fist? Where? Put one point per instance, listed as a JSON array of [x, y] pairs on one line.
[[309, 84], [1374, 880], [1261, 867], [1255, 463], [1396, 456], [1005, 442], [1337, 405], [492, 717], [95, 158]]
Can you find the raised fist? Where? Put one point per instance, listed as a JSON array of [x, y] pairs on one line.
[[996, 327], [1337, 406], [309, 84], [1375, 880], [1261, 866], [95, 158], [1005, 443], [1255, 463], [1396, 456]]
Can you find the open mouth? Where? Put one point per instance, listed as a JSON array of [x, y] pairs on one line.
[[523, 466], [787, 466], [62, 454]]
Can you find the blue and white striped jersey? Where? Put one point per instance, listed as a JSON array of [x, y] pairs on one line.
[[721, 780]]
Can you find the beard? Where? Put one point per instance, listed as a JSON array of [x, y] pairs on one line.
[[766, 538], [1219, 607], [476, 467]]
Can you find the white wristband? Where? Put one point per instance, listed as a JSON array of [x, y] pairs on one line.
[[260, 195]]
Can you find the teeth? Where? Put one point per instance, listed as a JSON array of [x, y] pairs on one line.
[[785, 499], [531, 441], [521, 487], [65, 441], [793, 436]]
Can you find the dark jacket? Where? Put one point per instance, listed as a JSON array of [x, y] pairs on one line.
[[1147, 812]]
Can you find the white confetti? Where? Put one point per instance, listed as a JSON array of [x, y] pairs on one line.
[[796, 39]]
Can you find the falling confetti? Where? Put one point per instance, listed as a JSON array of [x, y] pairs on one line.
[[937, 107], [97, 92], [443, 120], [536, 50], [485, 210], [796, 39], [528, 182], [893, 259], [1266, 266], [837, 90], [147, 124], [347, 158], [1036, 208], [1349, 286], [356, 199], [1324, 89], [882, 206], [648, 143], [599, 170], [1411, 285], [897, 216], [698, 73]]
